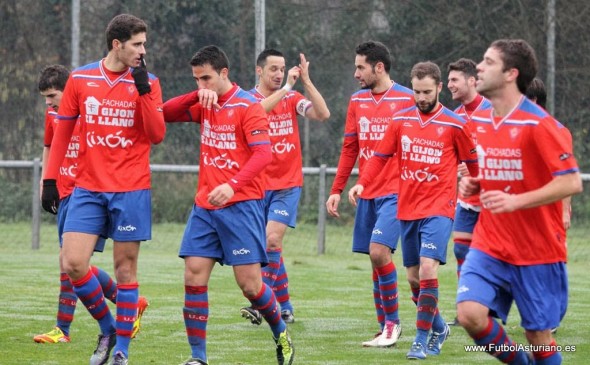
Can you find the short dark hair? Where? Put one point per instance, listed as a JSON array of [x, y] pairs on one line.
[[262, 57], [465, 65], [374, 53], [424, 69], [537, 92], [518, 54], [123, 27], [53, 77], [211, 55]]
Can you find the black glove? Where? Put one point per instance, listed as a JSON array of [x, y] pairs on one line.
[[50, 196], [142, 80]]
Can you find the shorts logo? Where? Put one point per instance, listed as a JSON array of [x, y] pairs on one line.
[[462, 289], [127, 228], [429, 245], [377, 231], [283, 212], [241, 251]]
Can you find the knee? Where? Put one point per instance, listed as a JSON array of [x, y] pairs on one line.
[[473, 321], [273, 240]]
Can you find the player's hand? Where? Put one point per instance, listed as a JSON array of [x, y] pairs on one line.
[[354, 193], [567, 220], [208, 98], [497, 201], [304, 67], [50, 196], [293, 75], [140, 75], [462, 169], [220, 195], [469, 186], [332, 205]]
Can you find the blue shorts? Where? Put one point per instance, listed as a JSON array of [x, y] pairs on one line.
[[62, 211], [234, 235], [124, 217], [465, 219], [376, 221], [427, 237], [539, 291], [281, 205]]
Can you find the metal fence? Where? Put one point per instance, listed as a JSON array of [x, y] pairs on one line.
[[322, 172]]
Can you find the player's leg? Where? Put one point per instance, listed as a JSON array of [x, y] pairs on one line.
[[200, 248], [281, 289], [249, 240], [481, 292], [384, 239], [129, 224]]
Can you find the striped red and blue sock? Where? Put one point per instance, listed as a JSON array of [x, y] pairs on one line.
[[388, 291], [281, 287], [460, 248], [127, 297], [90, 294], [551, 357], [269, 272], [427, 308], [266, 303], [196, 315], [67, 304], [499, 345], [109, 286], [377, 300]]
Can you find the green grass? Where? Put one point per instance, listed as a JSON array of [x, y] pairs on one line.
[[331, 293]]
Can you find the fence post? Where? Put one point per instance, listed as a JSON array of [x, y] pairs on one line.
[[322, 211], [35, 206]]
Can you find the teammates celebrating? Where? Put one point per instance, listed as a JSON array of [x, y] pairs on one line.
[[506, 148]]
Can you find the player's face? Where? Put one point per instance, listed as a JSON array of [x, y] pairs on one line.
[[458, 85], [426, 93], [130, 52], [52, 97], [490, 77], [207, 78], [272, 74], [364, 73]]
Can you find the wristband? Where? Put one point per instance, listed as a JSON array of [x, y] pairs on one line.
[[287, 87]]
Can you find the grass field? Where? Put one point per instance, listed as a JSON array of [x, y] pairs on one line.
[[331, 293]]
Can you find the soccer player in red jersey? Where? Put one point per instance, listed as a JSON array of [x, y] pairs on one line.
[[428, 141], [52, 82], [376, 228], [119, 108], [461, 84], [283, 178], [227, 221], [518, 252]]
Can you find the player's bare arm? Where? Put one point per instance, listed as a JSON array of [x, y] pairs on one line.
[[469, 186], [271, 101]]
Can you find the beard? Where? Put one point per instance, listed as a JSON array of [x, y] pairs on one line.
[[427, 107]]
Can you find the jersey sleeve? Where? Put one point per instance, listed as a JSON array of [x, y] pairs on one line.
[[48, 132], [151, 112], [349, 153], [554, 148], [466, 150], [182, 108]]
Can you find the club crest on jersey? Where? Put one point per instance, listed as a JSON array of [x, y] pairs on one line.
[[392, 106], [230, 113], [514, 132], [440, 131], [131, 89]]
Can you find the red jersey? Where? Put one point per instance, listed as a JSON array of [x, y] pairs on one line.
[[428, 148], [522, 152], [285, 170], [366, 120], [67, 171], [465, 112], [117, 127], [227, 137]]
